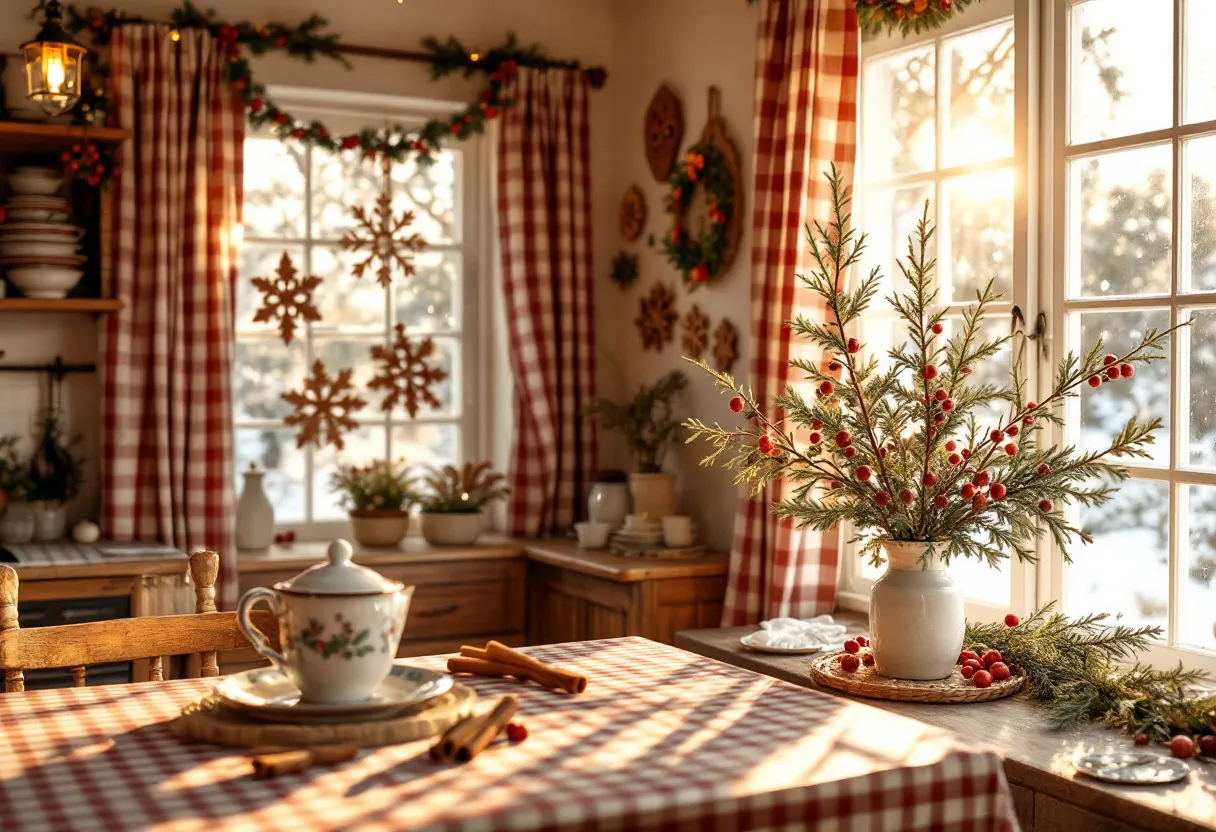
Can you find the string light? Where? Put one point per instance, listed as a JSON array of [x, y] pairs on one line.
[[474, 56], [175, 35]]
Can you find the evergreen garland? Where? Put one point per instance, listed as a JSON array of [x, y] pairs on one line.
[[908, 16]]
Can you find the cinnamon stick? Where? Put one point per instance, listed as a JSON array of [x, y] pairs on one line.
[[473, 652], [487, 729], [482, 667], [570, 681], [277, 763], [454, 737]]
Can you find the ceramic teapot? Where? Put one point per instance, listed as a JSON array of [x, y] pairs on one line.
[[339, 625]]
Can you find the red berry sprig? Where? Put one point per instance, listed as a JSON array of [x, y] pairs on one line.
[[87, 163], [516, 732]]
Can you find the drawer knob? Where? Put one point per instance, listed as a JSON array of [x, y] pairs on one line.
[[435, 612]]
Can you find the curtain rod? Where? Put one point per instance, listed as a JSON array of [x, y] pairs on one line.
[[419, 57]]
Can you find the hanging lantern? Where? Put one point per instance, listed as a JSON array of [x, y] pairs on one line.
[[53, 65]]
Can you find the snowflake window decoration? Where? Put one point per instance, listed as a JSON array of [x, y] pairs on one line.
[[383, 238], [287, 298], [323, 409], [406, 374]]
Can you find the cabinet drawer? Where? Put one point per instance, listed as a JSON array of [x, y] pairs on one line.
[[446, 610]]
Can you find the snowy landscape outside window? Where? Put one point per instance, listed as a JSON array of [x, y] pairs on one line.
[[298, 200]]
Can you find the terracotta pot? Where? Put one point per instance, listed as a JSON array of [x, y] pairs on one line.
[[653, 494], [916, 614], [442, 529], [380, 529]]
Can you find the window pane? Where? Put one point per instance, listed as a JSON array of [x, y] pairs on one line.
[[261, 372], [426, 444], [261, 260], [980, 582], [341, 182], [1119, 208], [345, 300], [1199, 80], [1121, 69], [891, 218], [980, 234], [274, 188], [898, 113], [1199, 213], [979, 112], [362, 447], [1105, 410], [274, 450], [1197, 576], [340, 353], [1125, 571], [430, 191], [430, 300], [1199, 345]]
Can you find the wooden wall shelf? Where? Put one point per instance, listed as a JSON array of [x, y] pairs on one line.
[[91, 306], [27, 137]]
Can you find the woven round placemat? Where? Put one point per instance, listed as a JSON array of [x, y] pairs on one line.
[[207, 720], [865, 681]]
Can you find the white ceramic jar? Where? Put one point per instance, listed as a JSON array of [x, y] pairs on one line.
[[608, 503], [254, 513], [916, 614]]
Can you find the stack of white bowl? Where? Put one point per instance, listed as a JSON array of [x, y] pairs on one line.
[[39, 246]]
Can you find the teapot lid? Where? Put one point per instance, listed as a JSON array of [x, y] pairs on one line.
[[338, 576]]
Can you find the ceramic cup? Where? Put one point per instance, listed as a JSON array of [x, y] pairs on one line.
[[592, 535], [677, 530], [637, 522]]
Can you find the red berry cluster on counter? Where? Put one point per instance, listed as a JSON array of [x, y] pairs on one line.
[[853, 656], [285, 538], [986, 669]]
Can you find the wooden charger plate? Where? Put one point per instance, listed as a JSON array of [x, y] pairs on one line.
[[866, 681]]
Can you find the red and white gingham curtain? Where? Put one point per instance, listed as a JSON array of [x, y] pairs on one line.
[[544, 231], [167, 464], [806, 119]]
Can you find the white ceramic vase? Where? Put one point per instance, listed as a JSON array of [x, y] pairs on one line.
[[50, 521], [451, 529], [608, 503], [916, 614], [653, 494], [254, 513]]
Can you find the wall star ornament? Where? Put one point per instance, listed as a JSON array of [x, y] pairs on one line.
[[323, 409], [726, 346], [405, 373], [695, 328], [287, 298], [656, 317]]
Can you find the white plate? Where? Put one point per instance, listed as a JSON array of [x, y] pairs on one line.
[[267, 694], [1132, 767], [748, 642]]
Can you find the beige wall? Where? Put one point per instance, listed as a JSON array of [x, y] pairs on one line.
[[688, 44]]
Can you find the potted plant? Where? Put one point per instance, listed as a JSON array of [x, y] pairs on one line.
[[16, 518], [904, 455], [378, 498], [649, 427], [55, 477], [451, 510]]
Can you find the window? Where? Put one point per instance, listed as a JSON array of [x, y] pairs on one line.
[[1134, 241], [937, 125], [298, 201]]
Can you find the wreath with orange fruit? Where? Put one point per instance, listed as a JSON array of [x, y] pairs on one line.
[[908, 16], [700, 256]]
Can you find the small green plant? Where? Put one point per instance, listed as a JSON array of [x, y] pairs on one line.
[[381, 486], [14, 472], [464, 490], [646, 421], [55, 472]]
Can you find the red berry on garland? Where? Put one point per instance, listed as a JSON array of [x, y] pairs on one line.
[[94, 180], [1043, 470], [967, 671], [764, 443], [281, 40], [1011, 449], [816, 424], [954, 459], [1207, 744], [937, 329], [1095, 381], [853, 344], [981, 479], [862, 473], [1109, 359], [1012, 430], [945, 5], [941, 501], [907, 497], [991, 657], [826, 388], [298, 133], [999, 671], [1045, 505], [967, 655], [850, 452], [516, 732], [834, 484], [1182, 746], [844, 439], [997, 435], [456, 127], [940, 394], [967, 491], [862, 640], [929, 372], [868, 659], [815, 437], [939, 418], [929, 478], [736, 404], [849, 663], [966, 453], [1031, 405], [950, 445], [948, 405], [979, 502], [997, 491], [1126, 370], [882, 498], [982, 679], [833, 365], [256, 105], [1112, 373], [851, 646], [280, 118], [1141, 739], [1011, 620]]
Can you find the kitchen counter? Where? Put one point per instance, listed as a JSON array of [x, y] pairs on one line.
[[413, 549], [63, 560]]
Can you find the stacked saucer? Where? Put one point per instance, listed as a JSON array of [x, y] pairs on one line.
[[639, 533], [39, 246]]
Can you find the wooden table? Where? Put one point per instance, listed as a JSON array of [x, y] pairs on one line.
[[1050, 795], [660, 740]]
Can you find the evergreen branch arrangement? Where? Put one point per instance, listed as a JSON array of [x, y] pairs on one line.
[[1080, 666], [900, 452], [646, 421]]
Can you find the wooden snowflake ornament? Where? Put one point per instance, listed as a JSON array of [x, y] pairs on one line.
[[324, 408], [726, 346], [286, 298], [383, 237], [695, 332], [405, 373], [656, 317]]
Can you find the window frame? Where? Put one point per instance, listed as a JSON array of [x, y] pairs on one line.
[[474, 299]]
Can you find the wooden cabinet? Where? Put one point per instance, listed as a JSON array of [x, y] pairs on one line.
[[574, 594]]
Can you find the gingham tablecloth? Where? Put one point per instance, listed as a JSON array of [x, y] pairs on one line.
[[662, 739]]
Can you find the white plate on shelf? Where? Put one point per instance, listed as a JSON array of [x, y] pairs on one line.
[[749, 641], [1132, 767], [267, 694]]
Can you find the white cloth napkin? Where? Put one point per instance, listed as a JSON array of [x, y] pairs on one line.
[[795, 633]]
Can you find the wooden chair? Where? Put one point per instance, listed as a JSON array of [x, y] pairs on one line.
[[127, 639]]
